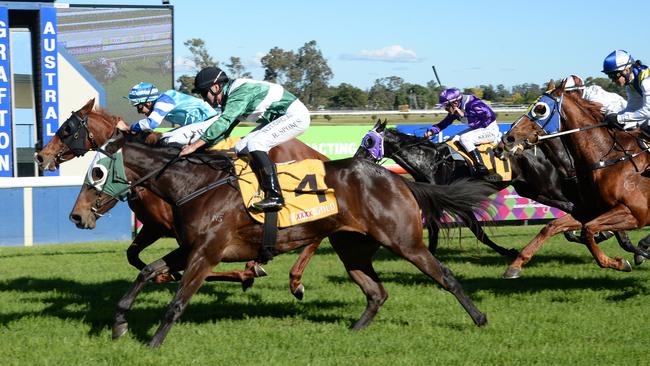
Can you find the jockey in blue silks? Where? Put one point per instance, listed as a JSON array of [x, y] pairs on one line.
[[621, 68], [175, 107], [478, 115]]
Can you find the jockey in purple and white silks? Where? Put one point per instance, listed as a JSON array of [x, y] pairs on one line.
[[175, 107], [280, 115], [622, 70], [611, 102], [478, 115]]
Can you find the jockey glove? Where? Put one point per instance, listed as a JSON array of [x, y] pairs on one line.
[[612, 121], [434, 130]]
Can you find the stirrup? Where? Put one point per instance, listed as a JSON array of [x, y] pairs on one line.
[[269, 204]]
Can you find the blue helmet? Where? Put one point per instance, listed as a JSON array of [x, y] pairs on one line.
[[142, 93], [617, 61], [449, 95]]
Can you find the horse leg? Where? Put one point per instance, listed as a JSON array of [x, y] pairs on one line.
[[147, 236], [564, 223], [356, 251], [295, 276], [434, 231], [617, 219], [175, 260], [643, 244], [483, 238], [196, 272], [625, 243], [600, 237]]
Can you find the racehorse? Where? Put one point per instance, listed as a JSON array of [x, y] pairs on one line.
[[215, 226], [607, 166], [88, 128], [427, 161]]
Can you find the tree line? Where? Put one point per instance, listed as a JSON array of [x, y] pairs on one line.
[[306, 74]]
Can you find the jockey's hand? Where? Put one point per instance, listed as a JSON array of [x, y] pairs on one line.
[[188, 149], [123, 126], [612, 121], [153, 138], [458, 112], [432, 132]]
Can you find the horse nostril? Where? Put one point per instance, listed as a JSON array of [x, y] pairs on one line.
[[76, 219], [39, 158], [510, 139]]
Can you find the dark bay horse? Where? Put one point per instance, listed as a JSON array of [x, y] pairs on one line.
[[608, 165], [376, 208], [533, 176], [89, 128]]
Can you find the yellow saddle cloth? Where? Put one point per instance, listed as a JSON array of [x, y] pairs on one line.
[[226, 144], [500, 170], [306, 196]]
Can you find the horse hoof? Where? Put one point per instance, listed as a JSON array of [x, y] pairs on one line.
[[247, 283], [299, 292], [626, 266], [119, 330], [512, 273], [481, 320], [259, 271], [638, 259]]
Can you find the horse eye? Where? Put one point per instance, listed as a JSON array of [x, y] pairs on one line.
[[368, 143], [540, 109], [97, 174]]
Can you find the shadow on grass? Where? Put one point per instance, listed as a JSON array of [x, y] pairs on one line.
[[95, 304]]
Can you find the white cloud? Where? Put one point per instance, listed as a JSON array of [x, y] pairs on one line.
[[394, 53]]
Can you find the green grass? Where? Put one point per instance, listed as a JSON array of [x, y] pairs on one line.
[[57, 302]]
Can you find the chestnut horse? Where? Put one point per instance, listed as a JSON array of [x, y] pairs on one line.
[[607, 163], [89, 128], [375, 208]]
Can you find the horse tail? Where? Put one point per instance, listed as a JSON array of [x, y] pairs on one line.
[[460, 199]]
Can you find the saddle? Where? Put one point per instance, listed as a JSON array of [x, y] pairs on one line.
[[307, 197], [500, 170]]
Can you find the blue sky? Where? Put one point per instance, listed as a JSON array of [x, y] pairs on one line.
[[470, 42]]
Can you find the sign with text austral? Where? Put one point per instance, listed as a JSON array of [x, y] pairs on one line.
[[49, 76]]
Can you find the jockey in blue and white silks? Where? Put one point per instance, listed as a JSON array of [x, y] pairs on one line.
[[623, 70], [479, 116], [175, 107], [280, 115]]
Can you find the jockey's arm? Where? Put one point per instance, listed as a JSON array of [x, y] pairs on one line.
[[163, 105], [641, 114]]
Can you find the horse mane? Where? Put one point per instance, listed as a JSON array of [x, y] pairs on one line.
[[590, 108], [101, 112], [406, 139]]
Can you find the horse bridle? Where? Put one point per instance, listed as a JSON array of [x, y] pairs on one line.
[[75, 141]]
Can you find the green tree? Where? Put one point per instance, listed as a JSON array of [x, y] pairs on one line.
[[347, 96], [315, 75], [236, 69], [279, 67], [200, 58], [387, 93]]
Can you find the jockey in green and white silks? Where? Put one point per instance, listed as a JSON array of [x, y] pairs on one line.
[[621, 68], [280, 115]]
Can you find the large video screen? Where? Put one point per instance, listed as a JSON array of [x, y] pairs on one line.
[[120, 47]]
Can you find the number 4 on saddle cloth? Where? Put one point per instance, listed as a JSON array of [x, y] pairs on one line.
[[500, 170], [306, 196]]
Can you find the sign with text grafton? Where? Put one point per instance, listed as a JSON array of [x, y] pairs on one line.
[[6, 137]]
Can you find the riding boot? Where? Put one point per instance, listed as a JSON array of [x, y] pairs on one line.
[[479, 166], [264, 168]]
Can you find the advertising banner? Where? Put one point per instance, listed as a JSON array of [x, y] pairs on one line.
[[49, 76], [6, 136]]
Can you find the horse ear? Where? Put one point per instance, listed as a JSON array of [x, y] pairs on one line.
[[88, 107], [383, 125], [551, 85]]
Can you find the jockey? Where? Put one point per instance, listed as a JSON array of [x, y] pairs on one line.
[[611, 102], [279, 114], [175, 107], [621, 68], [478, 115]]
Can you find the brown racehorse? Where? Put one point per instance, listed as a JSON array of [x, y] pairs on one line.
[[608, 163], [89, 128], [376, 208]]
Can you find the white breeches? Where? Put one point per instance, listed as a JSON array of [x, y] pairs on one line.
[[487, 135], [276, 132], [189, 133]]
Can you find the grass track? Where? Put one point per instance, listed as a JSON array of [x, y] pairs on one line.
[[56, 305]]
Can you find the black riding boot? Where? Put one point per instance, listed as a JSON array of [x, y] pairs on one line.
[[479, 166], [264, 168]]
